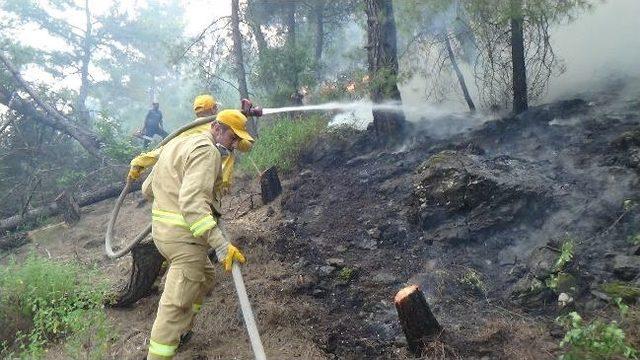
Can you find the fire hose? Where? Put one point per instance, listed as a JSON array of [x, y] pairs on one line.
[[245, 305]]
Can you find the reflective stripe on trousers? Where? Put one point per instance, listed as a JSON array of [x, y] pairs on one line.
[[162, 349]]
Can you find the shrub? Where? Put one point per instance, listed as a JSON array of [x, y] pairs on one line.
[[42, 301], [116, 143], [594, 340], [346, 274], [473, 281], [566, 254], [281, 142]]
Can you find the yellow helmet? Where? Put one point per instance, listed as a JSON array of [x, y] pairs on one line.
[[236, 121], [203, 103]]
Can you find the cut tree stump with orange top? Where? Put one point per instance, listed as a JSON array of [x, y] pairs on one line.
[[417, 321]]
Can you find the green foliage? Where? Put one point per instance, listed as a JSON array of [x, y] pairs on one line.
[[623, 290], [566, 254], [594, 340], [634, 239], [280, 70], [43, 300], [558, 280], [346, 274], [117, 144], [473, 280], [281, 143], [69, 177]]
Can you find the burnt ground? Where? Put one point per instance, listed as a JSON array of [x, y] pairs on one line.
[[474, 219], [477, 219]]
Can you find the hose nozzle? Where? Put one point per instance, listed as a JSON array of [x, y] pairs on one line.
[[247, 108]]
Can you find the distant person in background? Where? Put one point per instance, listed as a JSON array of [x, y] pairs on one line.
[[153, 124]]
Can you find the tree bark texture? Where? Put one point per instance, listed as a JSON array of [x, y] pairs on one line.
[[291, 46], [417, 321], [270, 186], [239, 59], [83, 93], [237, 49], [145, 269], [260, 40], [520, 102], [47, 116], [383, 69], [456, 69], [319, 12], [68, 207]]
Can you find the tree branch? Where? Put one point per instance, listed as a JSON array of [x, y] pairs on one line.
[[86, 138]]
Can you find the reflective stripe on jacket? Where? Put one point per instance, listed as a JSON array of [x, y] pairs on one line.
[[182, 187]]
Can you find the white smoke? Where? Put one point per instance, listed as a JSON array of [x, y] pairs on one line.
[[600, 45]]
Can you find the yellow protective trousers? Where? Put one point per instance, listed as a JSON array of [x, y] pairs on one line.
[[189, 278]]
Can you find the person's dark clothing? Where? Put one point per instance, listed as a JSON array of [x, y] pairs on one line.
[[153, 125]]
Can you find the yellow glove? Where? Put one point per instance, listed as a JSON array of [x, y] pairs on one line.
[[229, 255], [134, 173], [141, 162]]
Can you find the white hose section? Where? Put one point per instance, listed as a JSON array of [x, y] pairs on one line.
[[247, 313]]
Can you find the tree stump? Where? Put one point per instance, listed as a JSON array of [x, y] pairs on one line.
[[147, 263], [418, 323], [69, 208], [270, 186]]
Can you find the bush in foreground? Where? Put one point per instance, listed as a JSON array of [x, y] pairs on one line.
[[43, 301]]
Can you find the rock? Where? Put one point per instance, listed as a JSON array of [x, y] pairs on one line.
[[564, 299], [367, 244], [318, 292], [270, 211], [600, 295], [374, 233], [458, 196], [626, 267], [635, 250], [327, 269], [383, 279], [305, 173], [300, 263], [557, 331], [341, 248], [336, 262], [541, 262], [400, 341], [393, 234]]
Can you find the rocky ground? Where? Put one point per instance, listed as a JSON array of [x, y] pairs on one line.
[[478, 219]]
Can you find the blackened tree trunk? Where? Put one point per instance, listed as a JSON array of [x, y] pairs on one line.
[[383, 69], [81, 102], [291, 47], [239, 58], [319, 12], [237, 49], [456, 69], [520, 102]]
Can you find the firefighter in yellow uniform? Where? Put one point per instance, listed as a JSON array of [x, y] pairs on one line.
[[186, 185]]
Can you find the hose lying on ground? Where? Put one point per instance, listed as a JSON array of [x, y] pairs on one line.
[[108, 239]]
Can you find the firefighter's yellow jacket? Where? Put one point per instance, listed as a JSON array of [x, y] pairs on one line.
[[186, 187]]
